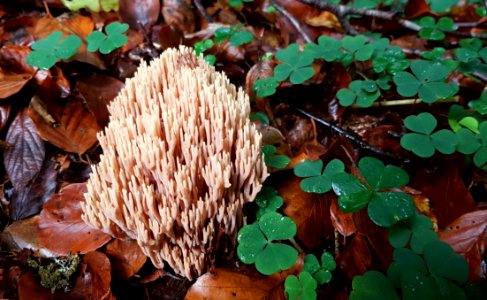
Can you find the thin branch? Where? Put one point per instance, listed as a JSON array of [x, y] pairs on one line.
[[293, 21], [203, 11], [352, 137]]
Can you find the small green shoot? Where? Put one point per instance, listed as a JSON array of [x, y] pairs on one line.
[[112, 39], [392, 61], [273, 160], [480, 104], [296, 65], [441, 6], [327, 48], [266, 87], [422, 141], [259, 116], [363, 93], [373, 285], [415, 232], [46, 52], [302, 288], [202, 46], [238, 3], [256, 243], [434, 31], [385, 208], [318, 180], [426, 81], [356, 48], [320, 272], [267, 200]]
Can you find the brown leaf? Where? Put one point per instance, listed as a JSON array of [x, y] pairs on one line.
[[179, 14], [94, 279], [4, 115], [22, 235], [356, 259], [10, 84], [29, 200], [468, 236], [24, 159], [98, 91], [309, 211], [139, 12], [126, 257], [341, 221], [76, 127], [229, 284], [60, 228], [263, 69], [29, 288], [13, 58]]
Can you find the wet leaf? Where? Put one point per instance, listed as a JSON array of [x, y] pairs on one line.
[[126, 257], [179, 14], [76, 127], [60, 227], [342, 222], [10, 84], [29, 200], [143, 12], [23, 160]]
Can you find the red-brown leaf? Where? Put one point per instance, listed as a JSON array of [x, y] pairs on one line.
[[10, 84], [468, 236], [23, 160], [29, 200], [76, 127], [126, 257], [61, 229], [29, 288], [356, 259], [143, 12], [341, 221]]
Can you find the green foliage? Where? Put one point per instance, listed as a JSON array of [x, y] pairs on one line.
[[385, 208], [266, 87], [415, 232], [480, 104], [356, 48], [327, 48], [320, 272], [93, 5], [57, 274], [435, 31], [316, 179], [202, 46], [237, 37], [256, 243], [259, 116], [46, 52], [296, 65], [441, 6], [426, 81], [363, 93], [238, 3], [423, 142], [392, 61], [267, 200], [302, 288], [373, 285], [274, 160], [112, 39]]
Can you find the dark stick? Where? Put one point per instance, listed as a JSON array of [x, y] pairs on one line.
[[203, 11], [293, 21], [351, 136]]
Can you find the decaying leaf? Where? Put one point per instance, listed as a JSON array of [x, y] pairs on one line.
[[10, 84], [60, 228], [179, 14], [126, 257], [342, 222], [23, 160], [76, 127]]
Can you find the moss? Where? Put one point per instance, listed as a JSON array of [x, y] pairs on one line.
[[56, 274]]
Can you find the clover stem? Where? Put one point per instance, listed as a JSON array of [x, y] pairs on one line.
[[296, 245]]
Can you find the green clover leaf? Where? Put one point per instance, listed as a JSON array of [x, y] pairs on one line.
[[202, 46], [363, 93], [46, 52], [327, 48], [423, 142], [266, 87], [443, 261], [440, 6], [255, 243], [295, 65], [267, 200], [318, 181], [480, 104], [302, 288], [320, 272], [427, 82], [392, 60], [357, 47], [372, 285], [240, 38], [416, 231], [432, 30], [273, 160], [106, 43]]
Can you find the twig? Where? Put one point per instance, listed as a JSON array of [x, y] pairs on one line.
[[203, 11], [293, 21], [351, 136]]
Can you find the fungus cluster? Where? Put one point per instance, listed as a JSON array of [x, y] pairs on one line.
[[180, 159]]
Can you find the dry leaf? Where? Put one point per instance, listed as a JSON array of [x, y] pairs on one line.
[[179, 14], [10, 84], [76, 127], [356, 259], [468, 236], [139, 12], [23, 160], [342, 222], [60, 228], [126, 257]]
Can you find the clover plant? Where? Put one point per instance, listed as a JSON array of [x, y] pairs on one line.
[[320, 272], [427, 80], [256, 243], [356, 48], [112, 39], [296, 65], [441, 6], [274, 160], [267, 200], [480, 104], [414, 232], [302, 287], [238, 3], [327, 48], [432, 30], [385, 207], [266, 87], [46, 52], [372, 285], [392, 61], [363, 93], [318, 180]]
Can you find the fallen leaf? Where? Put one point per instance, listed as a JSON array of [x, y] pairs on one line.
[[4, 115], [126, 257], [356, 259], [325, 19], [76, 127], [342, 222], [61, 217], [179, 14], [468, 236], [29, 288], [310, 212], [98, 91], [29, 200], [10, 84], [23, 160], [139, 12], [226, 284]]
